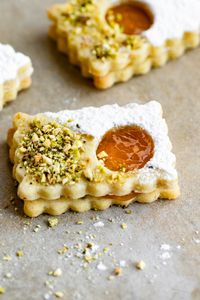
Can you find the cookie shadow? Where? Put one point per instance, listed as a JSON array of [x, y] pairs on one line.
[[60, 62], [9, 202]]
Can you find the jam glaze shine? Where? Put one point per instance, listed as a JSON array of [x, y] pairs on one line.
[[134, 18], [127, 148]]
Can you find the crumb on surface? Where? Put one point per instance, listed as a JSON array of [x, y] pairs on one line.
[[59, 294], [2, 290], [7, 258], [123, 225], [63, 250], [52, 222], [128, 211], [19, 253], [55, 273], [140, 265], [79, 222], [118, 271]]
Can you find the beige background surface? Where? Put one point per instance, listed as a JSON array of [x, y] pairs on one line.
[[56, 86]]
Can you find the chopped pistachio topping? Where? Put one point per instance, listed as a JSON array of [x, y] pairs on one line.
[[79, 12], [105, 40], [102, 154], [51, 153], [105, 50], [133, 42]]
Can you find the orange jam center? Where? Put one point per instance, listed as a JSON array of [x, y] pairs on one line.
[[134, 18], [123, 198], [128, 148]]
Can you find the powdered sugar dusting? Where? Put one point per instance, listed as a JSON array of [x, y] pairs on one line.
[[11, 62], [96, 121]]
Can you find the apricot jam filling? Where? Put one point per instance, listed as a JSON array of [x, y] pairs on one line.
[[126, 148], [133, 18], [123, 198]]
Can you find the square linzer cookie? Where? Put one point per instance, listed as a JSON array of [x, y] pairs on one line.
[[15, 73], [113, 40], [92, 158]]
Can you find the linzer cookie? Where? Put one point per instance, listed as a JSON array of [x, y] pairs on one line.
[[15, 73], [113, 40], [92, 158]]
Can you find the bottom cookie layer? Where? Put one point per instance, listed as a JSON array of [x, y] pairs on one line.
[[60, 206]]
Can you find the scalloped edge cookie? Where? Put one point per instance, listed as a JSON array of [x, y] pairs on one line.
[[157, 179], [129, 55], [15, 73]]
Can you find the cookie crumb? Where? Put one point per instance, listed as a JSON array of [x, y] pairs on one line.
[[79, 222], [59, 294], [8, 275], [105, 250], [2, 290], [140, 265], [118, 271], [128, 211], [123, 225], [56, 273], [63, 250], [7, 258], [37, 228], [52, 222], [19, 253], [88, 258]]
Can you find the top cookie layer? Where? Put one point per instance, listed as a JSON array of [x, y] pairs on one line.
[[56, 155], [96, 121]]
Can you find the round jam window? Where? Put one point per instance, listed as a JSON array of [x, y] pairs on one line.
[[126, 148], [133, 17]]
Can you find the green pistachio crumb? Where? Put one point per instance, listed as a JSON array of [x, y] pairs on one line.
[[52, 222], [19, 253], [51, 152]]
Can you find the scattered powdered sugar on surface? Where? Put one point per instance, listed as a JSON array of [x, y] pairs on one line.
[[197, 241], [165, 255], [165, 247], [11, 62], [171, 19], [166, 252], [122, 263], [96, 121], [99, 224], [101, 267]]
